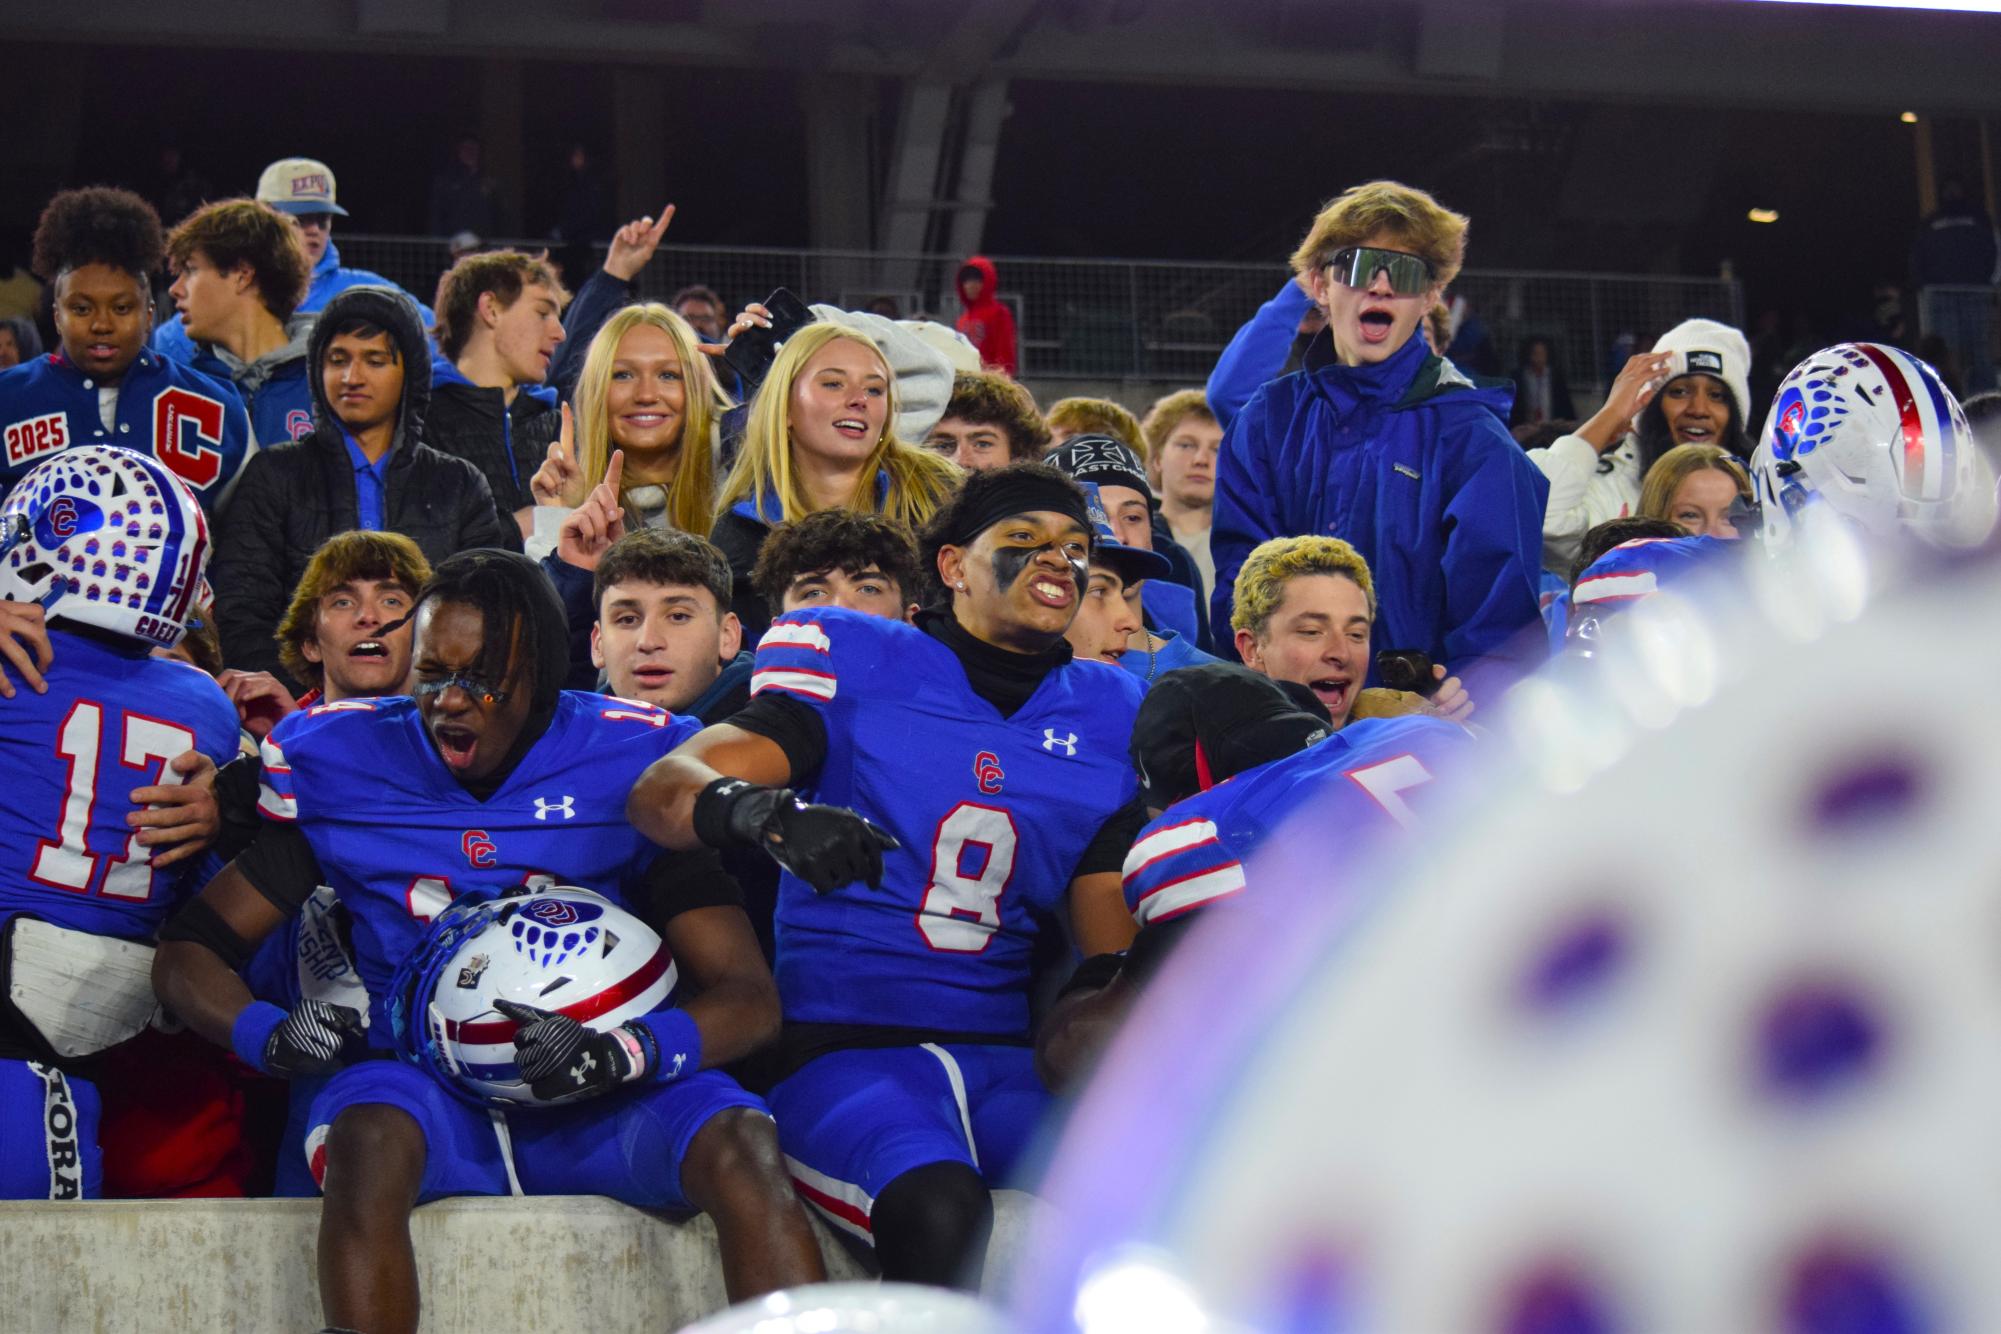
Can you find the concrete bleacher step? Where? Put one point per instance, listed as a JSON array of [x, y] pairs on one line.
[[487, 1266]]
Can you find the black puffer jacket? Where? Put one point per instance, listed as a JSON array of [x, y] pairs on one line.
[[292, 498], [506, 442]]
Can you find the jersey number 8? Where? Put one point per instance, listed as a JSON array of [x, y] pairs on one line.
[[971, 861]]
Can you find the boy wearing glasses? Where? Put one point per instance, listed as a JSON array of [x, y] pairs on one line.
[[490, 777], [1377, 441]]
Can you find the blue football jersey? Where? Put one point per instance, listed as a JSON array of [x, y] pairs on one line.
[[194, 424], [109, 724], [994, 815], [1368, 778], [398, 837]]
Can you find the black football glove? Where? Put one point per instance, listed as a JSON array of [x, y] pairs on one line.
[[316, 1037], [826, 846], [562, 1060]]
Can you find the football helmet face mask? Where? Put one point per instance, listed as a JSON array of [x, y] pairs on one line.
[[1872, 433], [106, 537], [559, 949]]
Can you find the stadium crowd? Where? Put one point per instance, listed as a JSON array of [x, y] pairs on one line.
[[540, 742]]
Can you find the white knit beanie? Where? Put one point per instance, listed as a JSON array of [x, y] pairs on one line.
[[1704, 347]]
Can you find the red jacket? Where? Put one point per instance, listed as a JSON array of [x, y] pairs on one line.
[[986, 322]]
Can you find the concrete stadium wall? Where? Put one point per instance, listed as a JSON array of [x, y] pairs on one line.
[[487, 1266]]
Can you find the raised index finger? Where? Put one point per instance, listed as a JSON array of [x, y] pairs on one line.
[[614, 470], [660, 228]]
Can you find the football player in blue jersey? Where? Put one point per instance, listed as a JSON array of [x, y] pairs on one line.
[[492, 775], [111, 547], [99, 248], [1226, 757], [970, 784]]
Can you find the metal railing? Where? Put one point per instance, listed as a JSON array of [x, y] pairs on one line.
[[1967, 320], [1153, 320]]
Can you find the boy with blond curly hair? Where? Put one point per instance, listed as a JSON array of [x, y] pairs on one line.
[[1380, 442]]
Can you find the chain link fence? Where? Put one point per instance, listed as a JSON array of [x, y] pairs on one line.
[[1106, 319]]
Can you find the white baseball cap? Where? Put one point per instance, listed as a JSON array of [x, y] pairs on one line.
[[299, 185]]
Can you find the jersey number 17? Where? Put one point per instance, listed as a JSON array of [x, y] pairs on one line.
[[66, 862]]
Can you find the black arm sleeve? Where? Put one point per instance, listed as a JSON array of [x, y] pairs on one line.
[[796, 726], [600, 297], [281, 866], [675, 882], [203, 925], [1114, 840], [236, 788]]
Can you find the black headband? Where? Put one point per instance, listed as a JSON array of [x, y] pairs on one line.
[[1024, 494]]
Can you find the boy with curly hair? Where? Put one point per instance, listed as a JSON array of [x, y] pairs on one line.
[[98, 248]]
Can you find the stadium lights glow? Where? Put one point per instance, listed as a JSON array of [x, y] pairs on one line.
[[1963, 6], [1909, 118], [1763, 215]]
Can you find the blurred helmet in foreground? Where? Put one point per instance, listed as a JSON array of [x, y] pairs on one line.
[[1694, 1023], [857, 1308]]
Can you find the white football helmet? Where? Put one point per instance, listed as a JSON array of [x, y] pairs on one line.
[[561, 949], [106, 537], [1872, 432]]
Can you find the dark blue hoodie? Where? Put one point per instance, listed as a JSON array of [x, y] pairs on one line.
[[1412, 463]]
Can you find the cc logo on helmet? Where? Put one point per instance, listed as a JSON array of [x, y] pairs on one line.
[[1788, 420], [560, 912], [62, 517]]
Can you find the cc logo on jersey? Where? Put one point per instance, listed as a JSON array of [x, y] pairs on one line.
[[479, 849], [987, 771]]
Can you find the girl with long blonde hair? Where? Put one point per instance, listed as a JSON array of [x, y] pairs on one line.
[[648, 391], [820, 436]]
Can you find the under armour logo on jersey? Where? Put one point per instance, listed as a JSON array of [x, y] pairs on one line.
[[1050, 741], [544, 808]]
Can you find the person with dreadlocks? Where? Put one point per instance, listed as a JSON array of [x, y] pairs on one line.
[[975, 787], [489, 778], [99, 249]]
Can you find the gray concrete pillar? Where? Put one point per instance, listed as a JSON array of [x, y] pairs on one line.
[[910, 193], [986, 110], [839, 115]]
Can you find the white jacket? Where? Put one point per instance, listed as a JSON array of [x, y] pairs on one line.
[[1582, 494]]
